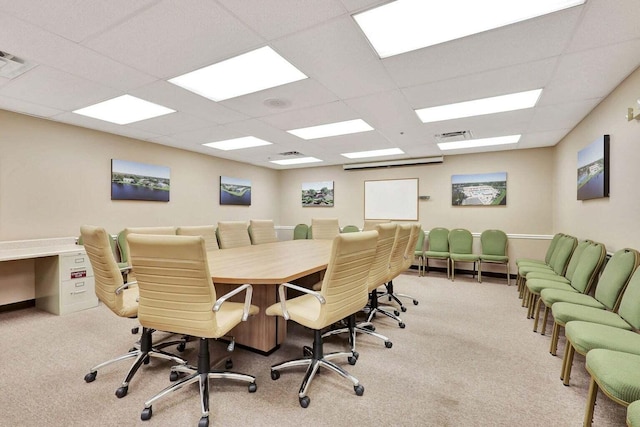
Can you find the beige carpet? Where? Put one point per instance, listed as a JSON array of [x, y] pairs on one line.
[[468, 357]]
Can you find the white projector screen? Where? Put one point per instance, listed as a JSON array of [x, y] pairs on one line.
[[394, 199]]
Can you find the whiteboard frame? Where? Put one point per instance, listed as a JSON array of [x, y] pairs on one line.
[[395, 199]]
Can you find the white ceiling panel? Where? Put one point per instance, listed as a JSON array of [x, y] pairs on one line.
[[88, 51]]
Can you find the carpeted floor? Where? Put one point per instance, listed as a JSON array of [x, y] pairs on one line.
[[467, 357]]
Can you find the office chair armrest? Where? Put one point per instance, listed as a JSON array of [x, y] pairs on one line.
[[283, 297], [125, 286], [247, 300]]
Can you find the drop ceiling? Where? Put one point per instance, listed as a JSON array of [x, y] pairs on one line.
[[86, 52]]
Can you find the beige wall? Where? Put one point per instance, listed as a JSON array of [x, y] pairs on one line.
[[55, 177], [613, 220]]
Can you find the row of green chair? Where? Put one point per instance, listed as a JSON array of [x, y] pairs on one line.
[[456, 245], [601, 318]]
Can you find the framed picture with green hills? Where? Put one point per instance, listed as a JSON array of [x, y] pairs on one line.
[[486, 189], [235, 191], [593, 170], [317, 194]]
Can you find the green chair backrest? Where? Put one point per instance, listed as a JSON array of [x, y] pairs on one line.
[[419, 243], [562, 254], [460, 241], [615, 277], [439, 239], [494, 242], [552, 246], [630, 304], [591, 260], [575, 258], [554, 254], [300, 231], [350, 229]]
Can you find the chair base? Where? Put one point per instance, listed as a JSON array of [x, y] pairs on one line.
[[142, 352], [202, 373], [374, 308], [393, 296], [314, 362]]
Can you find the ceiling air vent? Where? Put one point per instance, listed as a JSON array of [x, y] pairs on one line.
[[460, 135], [12, 66]]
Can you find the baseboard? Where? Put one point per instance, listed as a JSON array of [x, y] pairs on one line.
[[17, 305]]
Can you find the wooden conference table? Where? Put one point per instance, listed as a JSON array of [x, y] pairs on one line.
[[265, 267]]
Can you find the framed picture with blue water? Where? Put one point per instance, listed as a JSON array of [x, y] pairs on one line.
[[139, 181], [593, 170], [235, 191]]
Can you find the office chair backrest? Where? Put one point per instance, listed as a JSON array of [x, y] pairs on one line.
[[629, 308], [262, 231], [300, 231], [344, 286], [107, 275], [494, 242], [396, 259], [208, 232], [324, 228], [591, 260], [233, 234], [380, 266], [176, 290], [123, 245], [370, 224], [615, 277], [438, 239], [409, 253], [460, 241]]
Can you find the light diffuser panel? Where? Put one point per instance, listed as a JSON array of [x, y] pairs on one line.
[[124, 109]]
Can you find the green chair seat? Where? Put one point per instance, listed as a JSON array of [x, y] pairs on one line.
[[551, 296], [464, 257], [564, 312], [436, 254], [633, 411], [547, 275], [617, 374], [586, 336], [536, 286], [494, 258]]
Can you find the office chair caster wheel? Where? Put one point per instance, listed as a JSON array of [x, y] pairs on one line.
[[122, 392], [146, 414], [135, 330], [402, 325], [304, 401], [388, 344], [275, 375], [146, 360], [228, 364], [415, 302], [204, 422], [90, 377], [403, 308], [173, 376], [369, 328], [396, 312], [306, 351], [359, 390], [181, 347], [354, 358], [253, 387]]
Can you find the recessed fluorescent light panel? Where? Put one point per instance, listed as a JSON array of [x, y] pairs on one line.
[[479, 107], [373, 153], [298, 161], [124, 109], [247, 73], [474, 143], [405, 25], [238, 143], [332, 129]]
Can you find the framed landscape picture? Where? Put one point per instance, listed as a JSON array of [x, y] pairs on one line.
[[317, 193], [139, 181], [487, 189], [593, 170], [235, 191]]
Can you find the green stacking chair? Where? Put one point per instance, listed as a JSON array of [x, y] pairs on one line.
[[461, 249], [438, 243], [494, 245], [599, 328], [547, 257], [300, 232], [419, 252], [611, 284], [524, 266], [350, 229], [617, 376]]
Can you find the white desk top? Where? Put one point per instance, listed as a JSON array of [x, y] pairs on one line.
[[26, 249]]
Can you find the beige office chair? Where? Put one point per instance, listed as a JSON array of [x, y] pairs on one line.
[[121, 299], [324, 228], [370, 224], [208, 232], [123, 246], [377, 277], [343, 293], [262, 231], [177, 295], [233, 234]]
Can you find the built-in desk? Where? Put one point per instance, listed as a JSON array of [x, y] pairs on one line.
[[55, 272], [266, 267]]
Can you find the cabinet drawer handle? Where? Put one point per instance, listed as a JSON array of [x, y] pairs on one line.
[[79, 292]]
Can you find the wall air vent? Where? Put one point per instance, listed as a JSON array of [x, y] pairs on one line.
[[394, 163], [12, 66], [459, 135], [291, 153]]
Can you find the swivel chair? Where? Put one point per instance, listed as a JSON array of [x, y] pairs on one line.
[[208, 232], [324, 228], [232, 234], [177, 295], [343, 293], [262, 231], [121, 299]]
